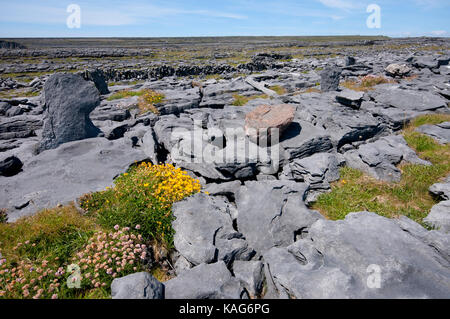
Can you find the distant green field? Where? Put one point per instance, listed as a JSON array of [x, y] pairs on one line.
[[168, 42]]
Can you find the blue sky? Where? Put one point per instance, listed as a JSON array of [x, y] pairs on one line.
[[155, 18]]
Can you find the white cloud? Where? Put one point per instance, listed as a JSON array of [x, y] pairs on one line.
[[92, 15], [439, 32], [338, 4], [216, 14], [337, 17], [430, 3]]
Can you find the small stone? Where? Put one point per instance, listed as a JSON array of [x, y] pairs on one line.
[[397, 70], [350, 61], [263, 121], [330, 78], [350, 98]]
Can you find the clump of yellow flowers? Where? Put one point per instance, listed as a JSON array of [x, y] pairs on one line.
[[148, 100], [143, 196]]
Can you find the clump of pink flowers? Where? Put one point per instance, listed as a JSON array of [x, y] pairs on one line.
[[27, 279], [108, 256]]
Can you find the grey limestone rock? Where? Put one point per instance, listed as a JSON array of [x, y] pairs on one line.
[[68, 100], [140, 285]]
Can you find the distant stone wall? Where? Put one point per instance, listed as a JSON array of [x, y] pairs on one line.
[[11, 45]]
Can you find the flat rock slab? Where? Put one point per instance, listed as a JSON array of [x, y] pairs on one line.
[[206, 281], [62, 175], [177, 101], [218, 95], [350, 98], [440, 132], [409, 100], [342, 259]]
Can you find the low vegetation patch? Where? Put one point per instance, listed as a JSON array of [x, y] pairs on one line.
[[278, 89], [308, 90], [106, 256], [35, 251], [240, 100], [15, 93], [3, 216], [357, 191], [61, 253], [214, 77], [124, 93], [365, 83], [143, 196], [148, 100], [129, 93]]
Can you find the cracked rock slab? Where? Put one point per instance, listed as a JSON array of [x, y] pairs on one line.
[[379, 159], [440, 132], [251, 275], [344, 125], [408, 100], [318, 171], [63, 174], [273, 213], [204, 231], [342, 259]]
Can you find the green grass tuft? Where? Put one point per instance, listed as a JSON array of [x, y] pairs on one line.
[[410, 197], [278, 89], [240, 100], [125, 93]]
